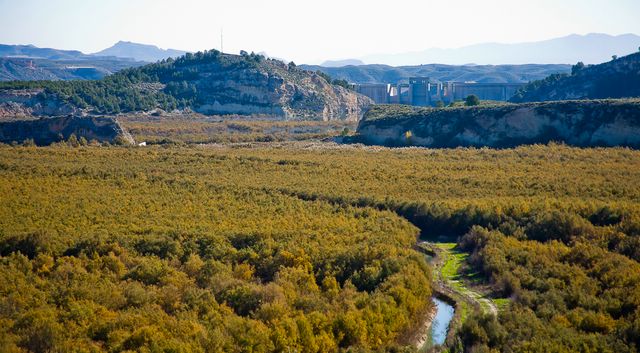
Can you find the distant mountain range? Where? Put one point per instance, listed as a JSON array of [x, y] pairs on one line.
[[341, 63], [27, 69], [140, 52], [32, 52], [458, 73], [591, 49], [29, 63]]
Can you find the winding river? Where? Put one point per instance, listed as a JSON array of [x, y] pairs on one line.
[[440, 323], [439, 326]]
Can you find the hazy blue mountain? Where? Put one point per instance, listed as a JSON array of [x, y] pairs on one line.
[[459, 73], [91, 68], [340, 63], [140, 52], [591, 49], [28, 63], [30, 51]]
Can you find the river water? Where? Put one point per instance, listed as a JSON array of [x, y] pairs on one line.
[[440, 324]]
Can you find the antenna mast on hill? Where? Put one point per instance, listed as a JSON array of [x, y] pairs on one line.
[[222, 40]]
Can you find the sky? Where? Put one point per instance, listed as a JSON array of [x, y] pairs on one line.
[[307, 31]]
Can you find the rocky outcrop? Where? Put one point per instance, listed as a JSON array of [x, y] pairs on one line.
[[45, 131], [577, 123], [31, 102], [251, 85]]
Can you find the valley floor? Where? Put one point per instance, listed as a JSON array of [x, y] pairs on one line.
[[311, 246]]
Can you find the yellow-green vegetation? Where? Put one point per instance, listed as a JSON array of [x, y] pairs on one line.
[[271, 249], [452, 273], [453, 261], [501, 303], [113, 258], [200, 129]]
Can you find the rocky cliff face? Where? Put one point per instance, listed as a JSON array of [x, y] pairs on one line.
[[30, 102], [45, 131], [578, 123], [230, 84]]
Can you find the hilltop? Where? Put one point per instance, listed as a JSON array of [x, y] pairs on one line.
[[206, 82], [619, 78]]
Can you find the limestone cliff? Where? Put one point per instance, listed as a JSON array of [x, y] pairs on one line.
[[251, 84], [45, 131], [578, 123]]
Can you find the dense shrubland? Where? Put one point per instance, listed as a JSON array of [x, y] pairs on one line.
[[197, 129], [566, 297], [268, 248], [106, 260]]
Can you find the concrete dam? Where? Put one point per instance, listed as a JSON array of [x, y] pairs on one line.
[[422, 92]]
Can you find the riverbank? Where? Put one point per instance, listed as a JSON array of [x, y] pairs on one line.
[[449, 287], [422, 336]]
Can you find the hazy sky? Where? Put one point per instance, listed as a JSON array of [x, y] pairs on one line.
[[307, 31]]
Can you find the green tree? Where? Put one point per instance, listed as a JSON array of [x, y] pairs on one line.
[[341, 83], [575, 69], [472, 101], [325, 76], [73, 141]]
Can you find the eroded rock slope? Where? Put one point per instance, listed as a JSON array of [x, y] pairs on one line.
[[577, 123]]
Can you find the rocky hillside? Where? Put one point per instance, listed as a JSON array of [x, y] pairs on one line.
[[45, 131], [619, 78], [32, 102], [210, 83], [577, 123]]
